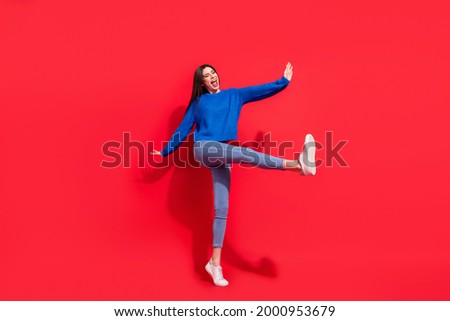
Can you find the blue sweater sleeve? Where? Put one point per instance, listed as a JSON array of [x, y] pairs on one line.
[[181, 132], [255, 93]]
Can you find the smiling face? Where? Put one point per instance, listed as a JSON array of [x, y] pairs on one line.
[[211, 80]]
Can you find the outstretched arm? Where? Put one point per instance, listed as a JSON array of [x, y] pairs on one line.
[[255, 93], [180, 133]]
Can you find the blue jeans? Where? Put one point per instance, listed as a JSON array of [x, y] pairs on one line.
[[218, 157]]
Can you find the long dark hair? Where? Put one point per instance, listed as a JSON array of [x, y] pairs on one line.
[[197, 88]]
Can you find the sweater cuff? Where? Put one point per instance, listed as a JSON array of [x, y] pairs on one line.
[[285, 80], [164, 153]]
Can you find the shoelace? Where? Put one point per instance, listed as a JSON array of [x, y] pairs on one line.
[[219, 274]]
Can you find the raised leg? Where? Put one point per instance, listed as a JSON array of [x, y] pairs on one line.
[[216, 154]]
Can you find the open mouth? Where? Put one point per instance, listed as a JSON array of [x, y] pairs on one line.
[[214, 83]]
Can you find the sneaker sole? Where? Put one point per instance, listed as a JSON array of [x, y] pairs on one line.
[[310, 145]]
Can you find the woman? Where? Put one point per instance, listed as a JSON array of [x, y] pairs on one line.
[[215, 113]]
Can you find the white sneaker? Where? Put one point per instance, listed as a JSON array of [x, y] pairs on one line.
[[307, 157], [216, 274]]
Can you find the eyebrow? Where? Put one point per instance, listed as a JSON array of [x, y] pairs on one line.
[[209, 73]]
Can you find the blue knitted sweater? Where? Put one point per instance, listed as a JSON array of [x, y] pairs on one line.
[[216, 115]]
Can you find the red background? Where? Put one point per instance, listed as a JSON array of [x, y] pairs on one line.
[[74, 75]]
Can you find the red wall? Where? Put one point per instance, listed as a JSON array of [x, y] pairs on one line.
[[75, 75]]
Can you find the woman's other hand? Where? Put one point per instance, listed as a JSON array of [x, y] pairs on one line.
[[156, 152], [288, 72]]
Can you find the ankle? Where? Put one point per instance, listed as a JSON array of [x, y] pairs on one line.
[[293, 168], [215, 263], [288, 164]]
